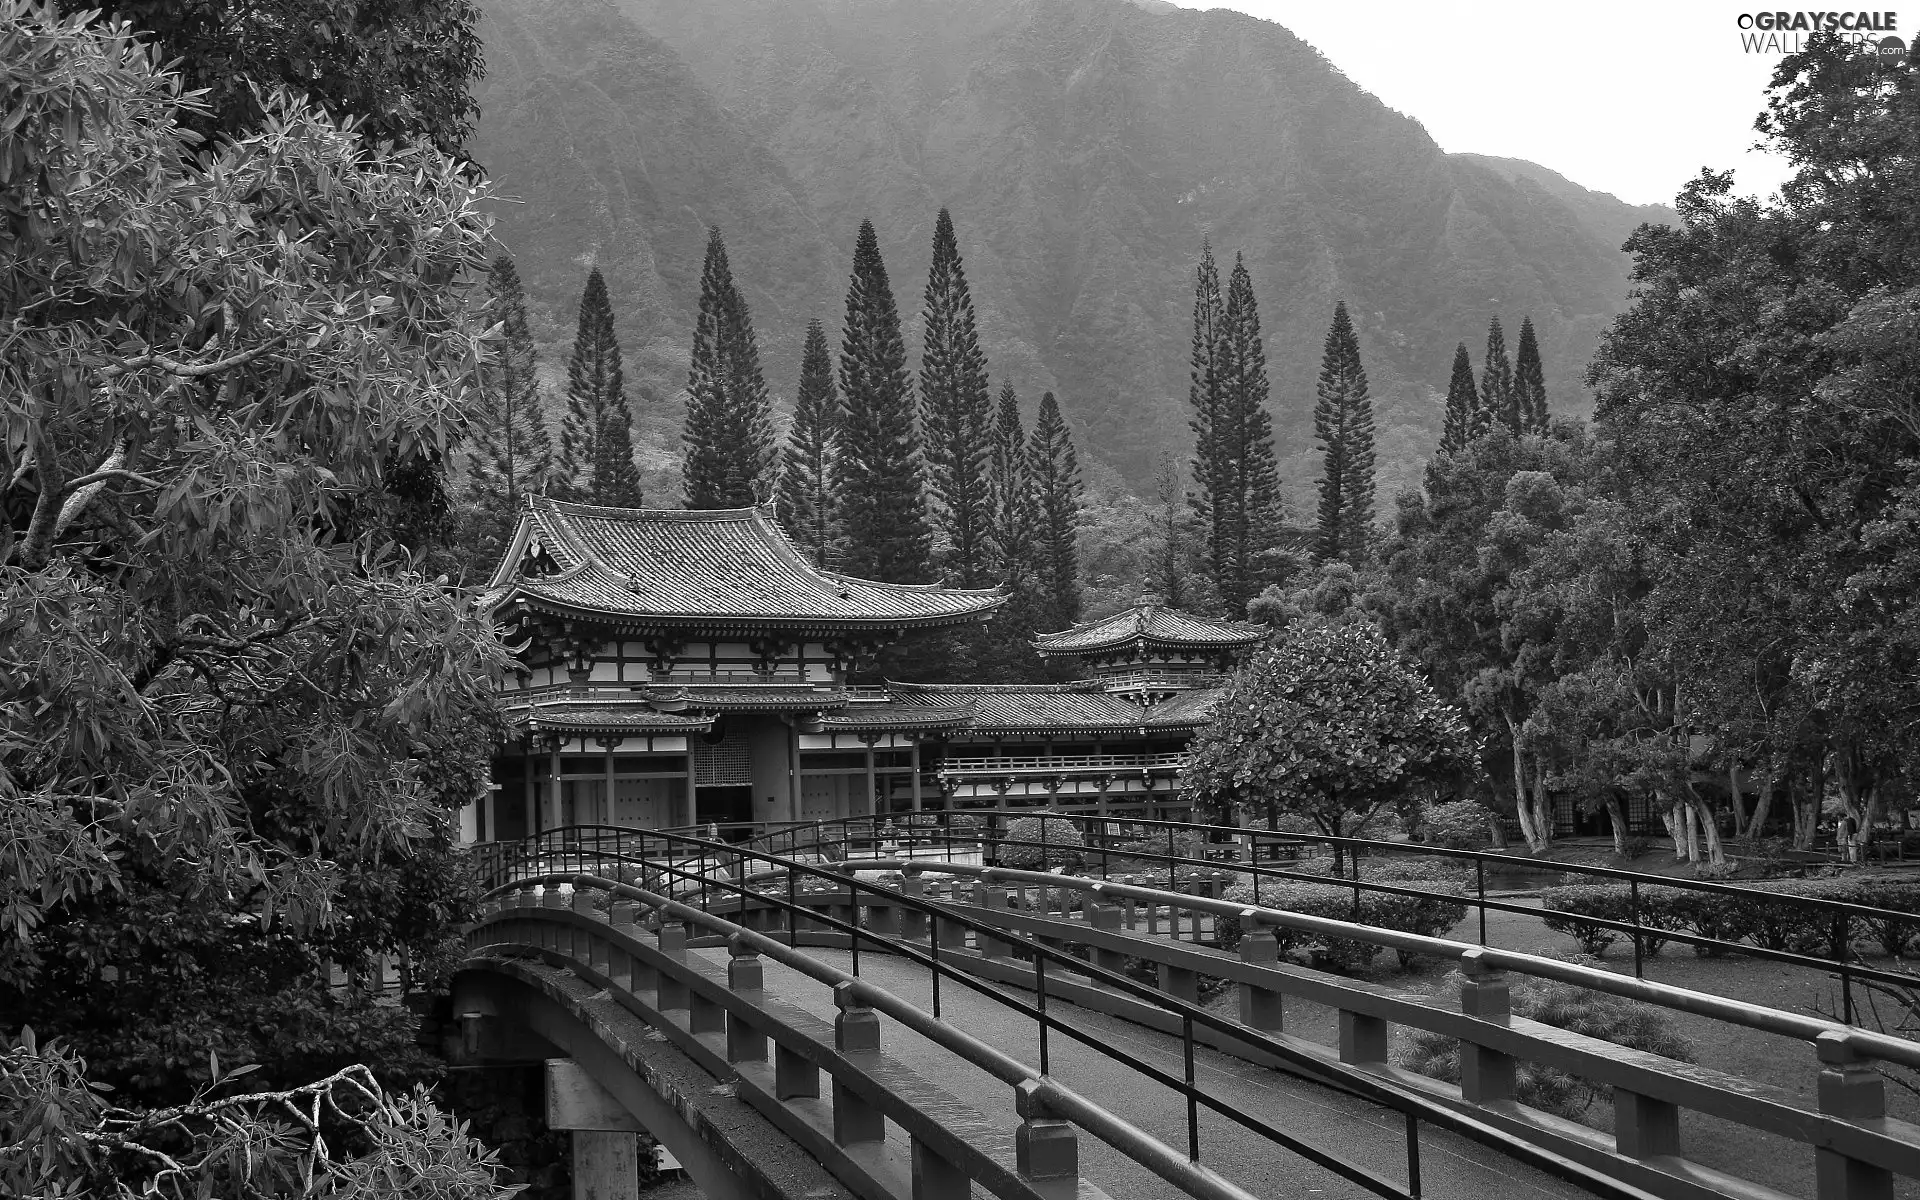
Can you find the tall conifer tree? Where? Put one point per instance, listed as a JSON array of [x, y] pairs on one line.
[[957, 413], [1529, 381], [1463, 403], [730, 451], [1343, 425], [1497, 400], [511, 452], [596, 437], [809, 476], [1213, 495], [1169, 575], [1055, 472], [883, 493], [1251, 469], [1013, 515]]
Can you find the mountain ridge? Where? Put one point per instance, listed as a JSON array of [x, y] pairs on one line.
[[1085, 147]]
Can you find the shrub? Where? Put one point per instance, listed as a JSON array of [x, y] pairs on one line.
[[1457, 825], [1580, 1010], [966, 824], [1634, 847], [1431, 914], [1607, 901], [1759, 913], [1064, 846]]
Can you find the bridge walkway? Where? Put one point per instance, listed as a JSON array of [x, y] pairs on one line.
[[1452, 1168]]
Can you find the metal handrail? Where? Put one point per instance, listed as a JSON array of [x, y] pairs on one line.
[[1360, 1083]]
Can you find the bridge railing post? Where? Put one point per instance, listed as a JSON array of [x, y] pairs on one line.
[[671, 993], [913, 922], [1260, 1007], [1044, 1146], [883, 916], [746, 976], [1486, 1075], [856, 1031], [1849, 1088], [1106, 916], [987, 895], [935, 1177]]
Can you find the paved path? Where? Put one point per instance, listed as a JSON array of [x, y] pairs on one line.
[[1452, 1168]]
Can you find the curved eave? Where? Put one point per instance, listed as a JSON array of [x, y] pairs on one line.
[[848, 723], [1046, 651], [520, 597], [657, 725], [1141, 728]]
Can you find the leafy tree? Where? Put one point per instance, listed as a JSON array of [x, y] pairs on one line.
[[510, 453], [1343, 425], [809, 481], [883, 494], [1327, 724], [1529, 382], [402, 70], [596, 437], [234, 723], [957, 413], [1055, 473], [1463, 404], [730, 451], [1497, 401]]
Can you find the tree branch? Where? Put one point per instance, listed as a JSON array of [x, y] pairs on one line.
[[192, 370]]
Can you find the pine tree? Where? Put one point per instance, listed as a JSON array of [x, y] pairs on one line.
[[511, 453], [730, 450], [1463, 403], [1055, 472], [1252, 470], [1169, 574], [1212, 460], [1343, 425], [1012, 492], [1529, 381], [1497, 400], [882, 492], [809, 477], [956, 413], [596, 437]]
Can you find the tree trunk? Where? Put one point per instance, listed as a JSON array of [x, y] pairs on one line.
[[1670, 817], [1617, 821], [1538, 839], [1757, 823], [1702, 811], [1542, 808], [1738, 801]]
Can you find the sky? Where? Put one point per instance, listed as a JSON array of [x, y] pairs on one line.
[[1631, 97]]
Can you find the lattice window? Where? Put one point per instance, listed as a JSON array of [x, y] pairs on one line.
[[727, 763]]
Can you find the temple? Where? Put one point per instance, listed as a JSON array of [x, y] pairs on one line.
[[685, 667]]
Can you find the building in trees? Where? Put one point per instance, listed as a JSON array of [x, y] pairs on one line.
[[682, 667], [596, 436]]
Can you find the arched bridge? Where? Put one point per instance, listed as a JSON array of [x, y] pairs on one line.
[[912, 1021]]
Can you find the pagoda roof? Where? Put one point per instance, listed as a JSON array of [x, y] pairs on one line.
[[701, 568], [591, 716], [886, 715], [1150, 624], [1085, 707]]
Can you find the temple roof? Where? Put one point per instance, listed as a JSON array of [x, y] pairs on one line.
[[1149, 624], [887, 715], [712, 568], [1085, 706], [588, 716]]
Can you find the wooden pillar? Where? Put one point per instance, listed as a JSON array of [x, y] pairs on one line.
[[531, 797], [605, 1155], [553, 784], [606, 802], [914, 763], [693, 807], [873, 795]]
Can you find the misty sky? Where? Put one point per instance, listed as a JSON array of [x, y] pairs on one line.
[[1631, 97]]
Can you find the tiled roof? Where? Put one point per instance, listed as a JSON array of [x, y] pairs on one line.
[[1084, 706], [890, 714], [564, 716], [739, 697], [710, 567], [1149, 623]]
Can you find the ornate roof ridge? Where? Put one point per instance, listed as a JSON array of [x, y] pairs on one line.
[[1075, 687], [995, 590], [651, 514]]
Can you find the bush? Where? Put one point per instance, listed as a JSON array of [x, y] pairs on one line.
[[1064, 845], [1457, 825], [1758, 913], [1431, 914], [1565, 1006], [1609, 902]]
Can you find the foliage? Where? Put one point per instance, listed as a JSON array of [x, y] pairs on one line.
[[1064, 847], [1053, 470], [61, 1135], [235, 721], [957, 413], [1463, 404], [1529, 382], [1343, 425], [402, 71], [596, 437], [1761, 913], [809, 477], [1498, 402], [1579, 1010], [1438, 908], [1328, 722], [510, 453], [728, 438], [1457, 824], [883, 494]]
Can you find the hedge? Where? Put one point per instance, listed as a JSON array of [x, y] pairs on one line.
[[1063, 845], [1431, 914], [1773, 924]]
